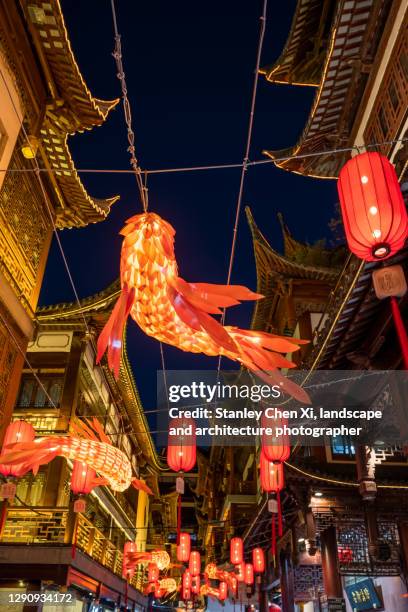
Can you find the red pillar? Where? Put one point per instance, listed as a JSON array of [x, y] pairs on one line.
[[330, 563]]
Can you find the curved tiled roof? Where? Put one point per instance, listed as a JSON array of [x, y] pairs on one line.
[[71, 108], [356, 30], [301, 61]]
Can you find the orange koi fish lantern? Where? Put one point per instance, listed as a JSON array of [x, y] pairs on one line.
[[273, 481], [176, 312], [374, 214], [19, 432], [93, 449], [132, 558]]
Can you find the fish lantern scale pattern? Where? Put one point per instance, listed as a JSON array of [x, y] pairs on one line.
[[374, 214]]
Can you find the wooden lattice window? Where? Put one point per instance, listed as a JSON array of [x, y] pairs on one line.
[[390, 107]]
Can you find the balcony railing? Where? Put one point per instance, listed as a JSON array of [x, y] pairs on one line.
[[42, 525]]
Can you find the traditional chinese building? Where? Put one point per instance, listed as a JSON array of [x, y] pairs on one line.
[[61, 386], [43, 100], [345, 508]]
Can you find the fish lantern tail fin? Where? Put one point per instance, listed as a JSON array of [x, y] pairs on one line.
[[111, 337], [263, 354], [30, 455]]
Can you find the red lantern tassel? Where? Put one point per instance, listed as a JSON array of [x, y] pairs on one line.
[[401, 331], [178, 518], [74, 538], [280, 526]]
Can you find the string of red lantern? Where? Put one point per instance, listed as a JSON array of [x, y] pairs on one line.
[[272, 481], [181, 455]]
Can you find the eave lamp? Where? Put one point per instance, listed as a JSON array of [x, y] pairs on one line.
[[181, 455], [376, 225]]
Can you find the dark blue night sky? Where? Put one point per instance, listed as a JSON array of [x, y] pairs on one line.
[[189, 68]]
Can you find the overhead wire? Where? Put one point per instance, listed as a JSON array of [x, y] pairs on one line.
[[226, 166]]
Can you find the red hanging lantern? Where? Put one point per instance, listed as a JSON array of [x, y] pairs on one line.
[[129, 548], [240, 569], [195, 585], [249, 573], [273, 481], [236, 551], [222, 590], [182, 445], [17, 431], [233, 584], [158, 591], [152, 572], [184, 547], [258, 560], [374, 214], [82, 478], [274, 449], [272, 476], [194, 564], [186, 584]]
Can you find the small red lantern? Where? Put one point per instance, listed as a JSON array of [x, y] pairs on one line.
[[274, 449], [258, 560], [272, 476], [195, 585], [222, 590], [18, 431], [128, 548], [82, 478], [182, 445], [233, 584], [249, 573], [236, 551], [194, 564], [374, 214], [240, 569], [152, 572], [184, 547], [186, 585]]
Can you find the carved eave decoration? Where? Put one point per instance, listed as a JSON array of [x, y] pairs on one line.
[[274, 270], [355, 33], [96, 310], [71, 108]]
